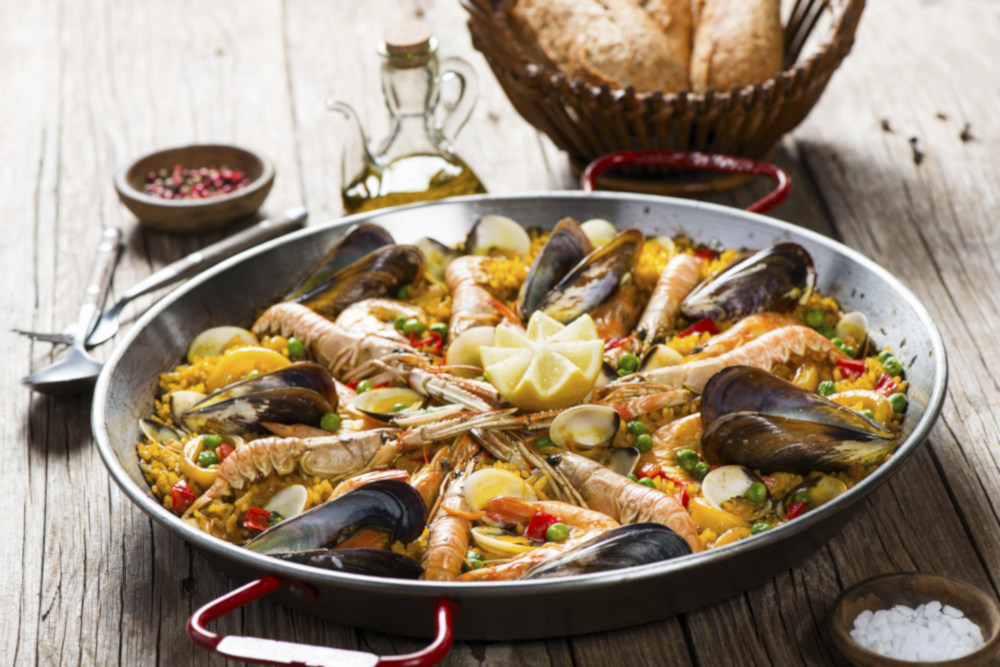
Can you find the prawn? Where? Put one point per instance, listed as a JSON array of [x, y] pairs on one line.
[[450, 530], [681, 274], [376, 317], [765, 352], [471, 304], [616, 317], [624, 500], [742, 332], [683, 433]]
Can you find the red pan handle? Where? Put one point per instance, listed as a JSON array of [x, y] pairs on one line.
[[275, 652], [698, 162]]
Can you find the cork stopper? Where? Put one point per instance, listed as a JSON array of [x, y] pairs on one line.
[[407, 38]]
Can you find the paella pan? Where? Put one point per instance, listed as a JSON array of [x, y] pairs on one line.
[[549, 606]]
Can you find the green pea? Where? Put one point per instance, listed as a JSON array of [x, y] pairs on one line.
[[211, 441], [644, 442], [403, 292], [898, 402], [252, 374], [473, 561], [700, 470], [838, 343], [757, 492], [400, 322], [413, 326], [851, 351], [801, 497], [759, 527], [543, 442], [828, 332], [815, 318], [631, 476], [867, 413], [687, 459], [629, 362], [330, 422], [636, 428], [274, 518], [883, 355], [296, 350], [646, 481], [826, 388], [363, 386], [207, 458], [557, 532], [892, 366], [399, 407], [441, 329], [622, 372]]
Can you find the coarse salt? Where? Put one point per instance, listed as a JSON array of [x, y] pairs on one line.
[[929, 633]]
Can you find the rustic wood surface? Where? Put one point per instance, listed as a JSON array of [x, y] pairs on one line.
[[899, 160]]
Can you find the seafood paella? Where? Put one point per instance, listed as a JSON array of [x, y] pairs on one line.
[[529, 404]]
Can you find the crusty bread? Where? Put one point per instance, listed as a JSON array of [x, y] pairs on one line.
[[736, 43], [616, 42]]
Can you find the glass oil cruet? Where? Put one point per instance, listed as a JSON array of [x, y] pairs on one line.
[[416, 162]]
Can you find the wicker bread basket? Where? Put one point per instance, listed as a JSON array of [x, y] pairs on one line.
[[587, 121]]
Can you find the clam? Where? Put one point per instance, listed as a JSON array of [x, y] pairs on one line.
[[487, 483], [659, 356], [563, 250], [352, 246], [385, 403], [497, 231], [288, 502], [300, 393], [373, 562], [215, 340], [621, 460], [594, 278], [379, 273], [389, 506], [624, 546], [726, 488], [599, 231], [183, 400], [437, 257], [157, 431], [585, 426], [773, 279]]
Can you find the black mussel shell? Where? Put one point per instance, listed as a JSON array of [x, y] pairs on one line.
[[390, 506], [352, 246], [624, 546], [748, 389], [594, 279], [563, 250], [771, 443], [379, 273], [773, 279], [373, 562]]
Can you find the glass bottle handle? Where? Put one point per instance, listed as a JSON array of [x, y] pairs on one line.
[[456, 68]]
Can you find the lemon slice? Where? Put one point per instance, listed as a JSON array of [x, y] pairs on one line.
[[550, 366]]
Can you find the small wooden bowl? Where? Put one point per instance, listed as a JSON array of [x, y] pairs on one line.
[[912, 589], [185, 216]]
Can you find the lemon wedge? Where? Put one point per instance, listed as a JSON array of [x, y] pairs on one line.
[[549, 366]]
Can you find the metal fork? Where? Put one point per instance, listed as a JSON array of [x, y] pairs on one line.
[[107, 324]]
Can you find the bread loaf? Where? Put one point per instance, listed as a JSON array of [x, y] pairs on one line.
[[736, 43], [616, 42]]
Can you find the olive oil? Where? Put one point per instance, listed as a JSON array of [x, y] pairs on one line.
[[408, 179]]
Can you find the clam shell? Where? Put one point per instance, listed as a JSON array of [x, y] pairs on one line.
[[586, 425], [497, 231], [378, 403]]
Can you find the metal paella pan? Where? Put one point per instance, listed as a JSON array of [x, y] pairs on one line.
[[232, 292]]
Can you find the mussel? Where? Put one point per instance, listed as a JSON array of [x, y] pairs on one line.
[[361, 240], [594, 278], [758, 420], [378, 273], [389, 506], [773, 279], [373, 562], [300, 393], [624, 546], [563, 250]]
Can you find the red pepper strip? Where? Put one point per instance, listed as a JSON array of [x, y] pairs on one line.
[[256, 519], [182, 496], [612, 343], [223, 451], [886, 385], [701, 326], [540, 522], [433, 340], [852, 368], [353, 384], [380, 385], [683, 497], [795, 509], [705, 254]]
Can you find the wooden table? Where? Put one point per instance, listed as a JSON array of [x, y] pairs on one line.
[[899, 161]]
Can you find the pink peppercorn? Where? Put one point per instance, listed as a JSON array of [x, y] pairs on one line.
[[198, 183]]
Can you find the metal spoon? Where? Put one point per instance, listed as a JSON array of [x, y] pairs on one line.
[[107, 325], [77, 370]]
